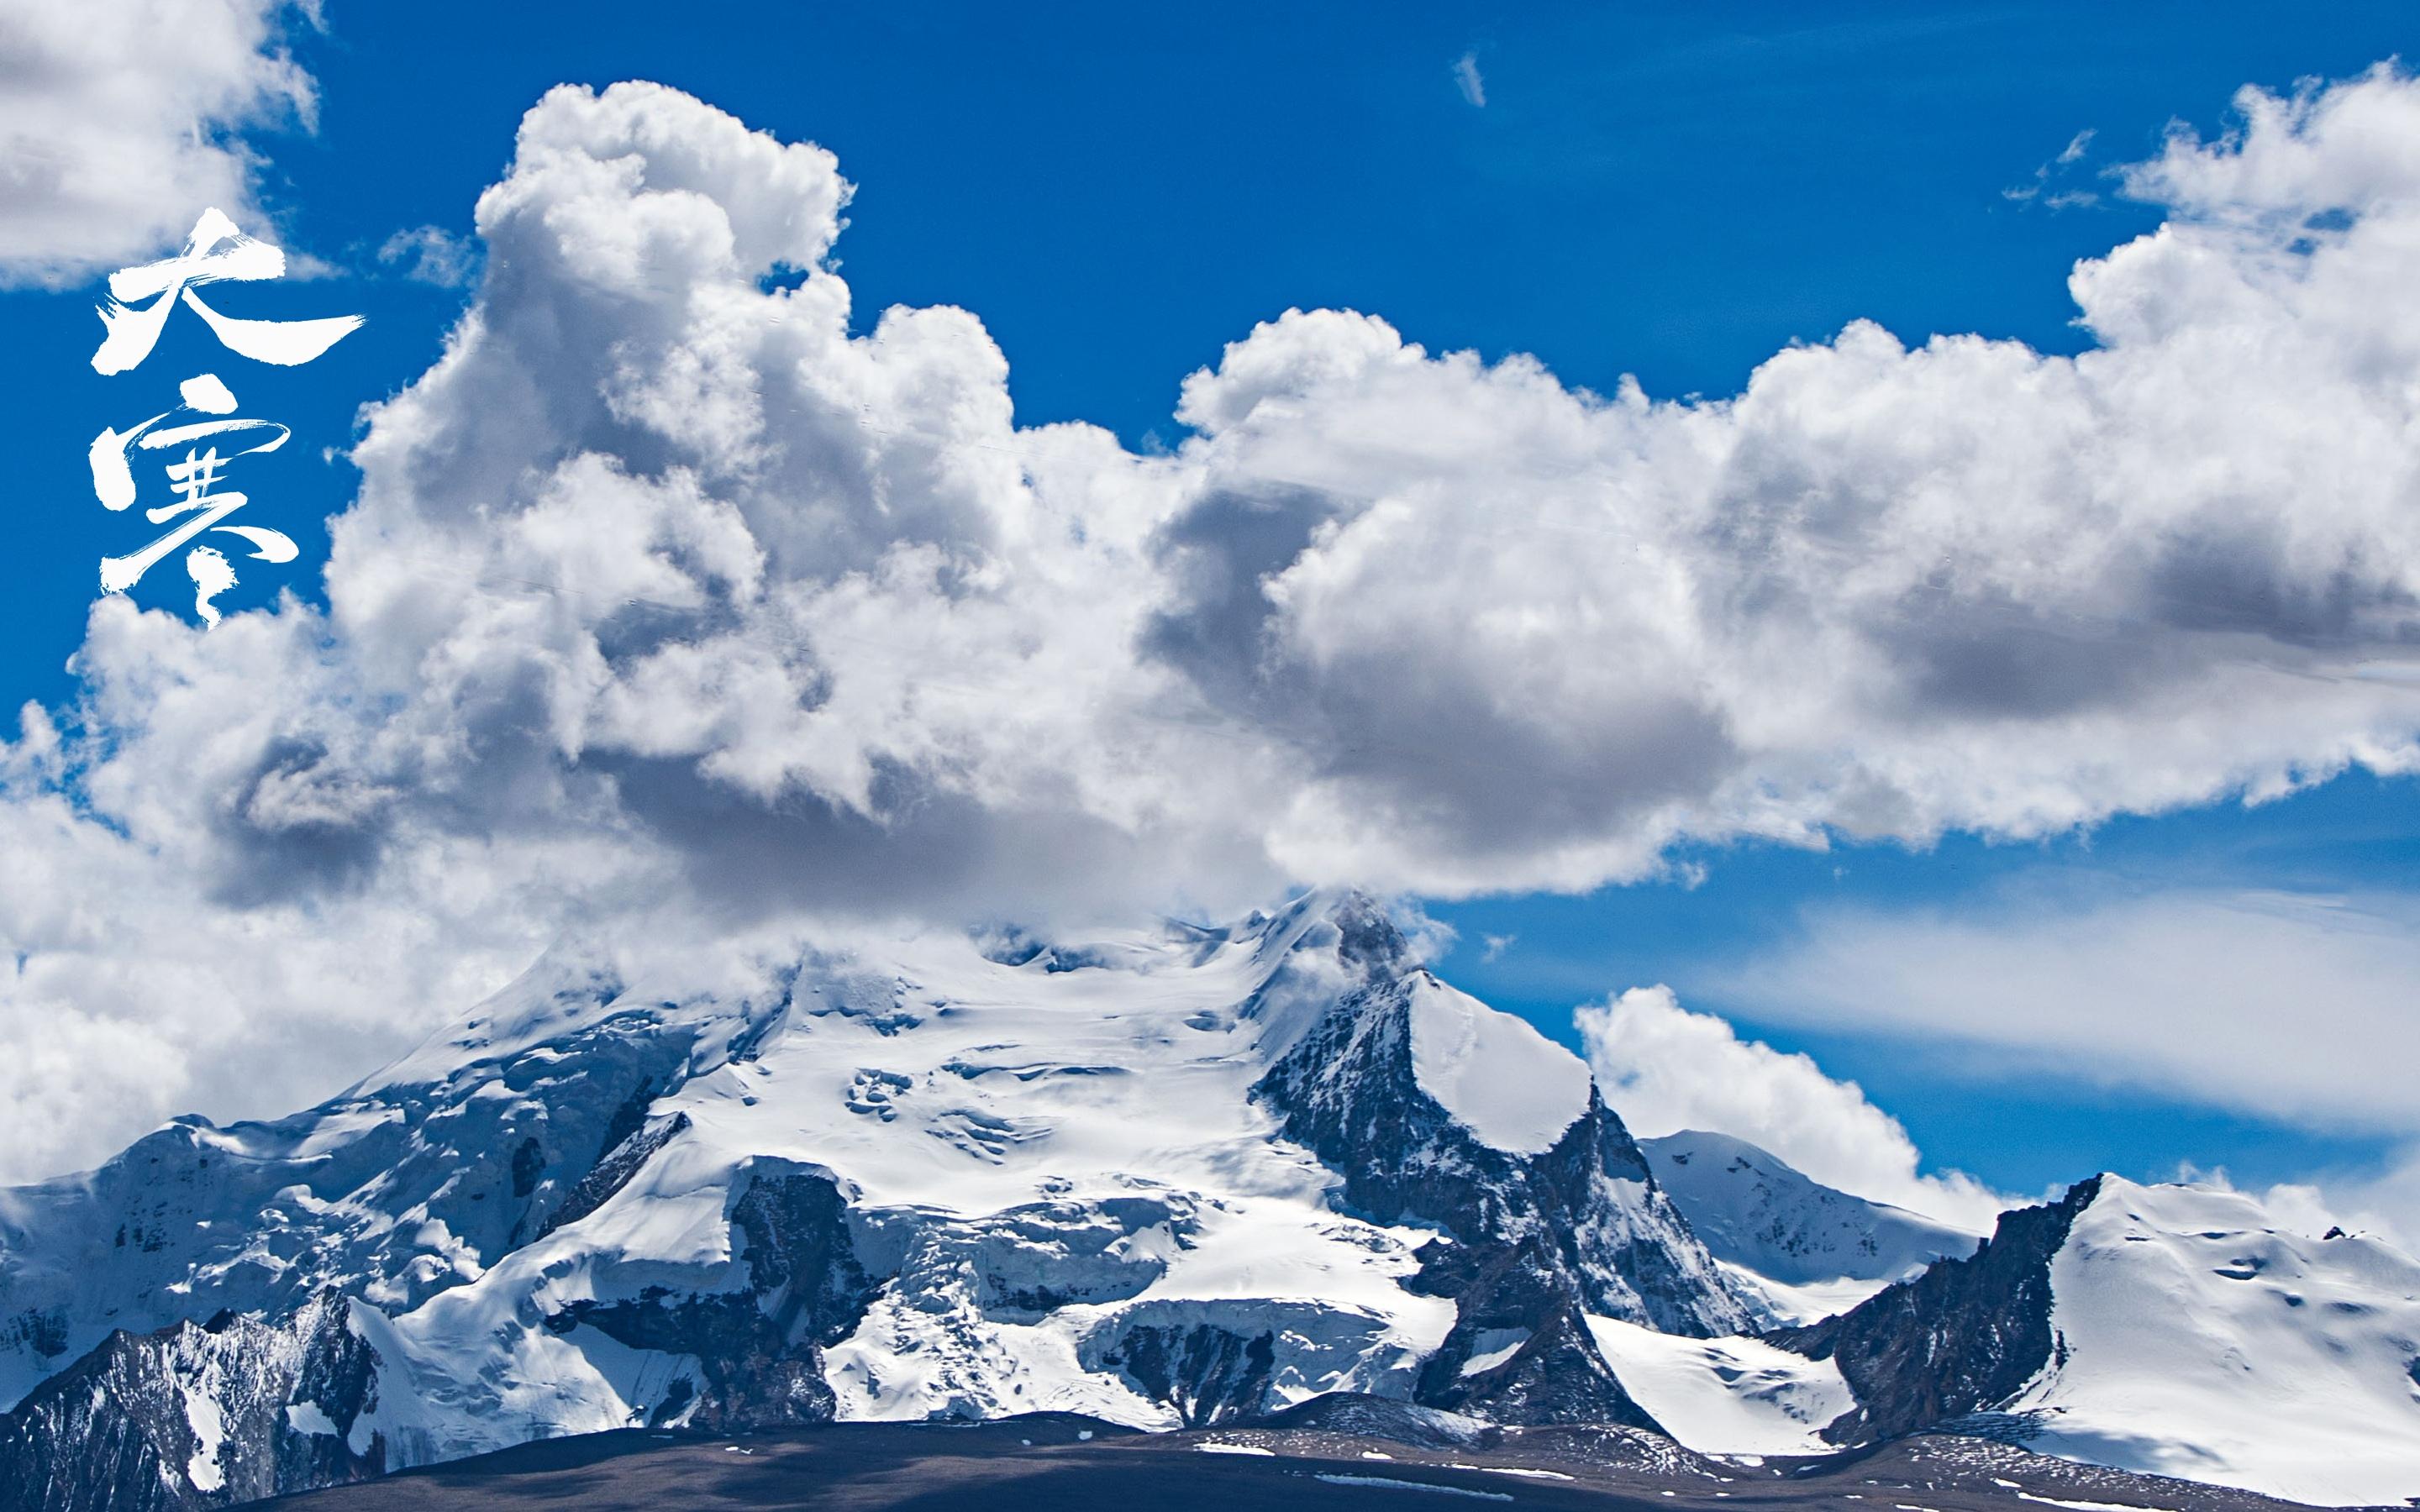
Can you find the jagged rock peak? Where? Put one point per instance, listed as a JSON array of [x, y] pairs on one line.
[[2174, 1329]]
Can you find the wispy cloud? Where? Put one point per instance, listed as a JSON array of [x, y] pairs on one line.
[[2040, 189], [1467, 79], [2248, 1000], [2288, 1007], [432, 254]]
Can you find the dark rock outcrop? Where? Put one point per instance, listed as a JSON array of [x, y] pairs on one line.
[[1207, 1373], [759, 1348], [1529, 1242], [195, 1415], [1963, 1338]]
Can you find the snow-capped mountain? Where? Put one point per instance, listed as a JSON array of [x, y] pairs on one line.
[[1181, 1177], [1804, 1250], [2177, 1330], [1166, 1178]]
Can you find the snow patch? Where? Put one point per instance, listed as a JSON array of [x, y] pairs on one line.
[[1726, 1395], [2205, 1341], [1806, 1250], [1385, 1483], [1522, 1470], [1499, 1078], [309, 1417], [1492, 1348], [210, 1430]]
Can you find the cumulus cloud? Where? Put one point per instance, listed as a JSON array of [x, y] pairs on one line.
[[669, 604], [1522, 637], [118, 124], [1665, 1069]]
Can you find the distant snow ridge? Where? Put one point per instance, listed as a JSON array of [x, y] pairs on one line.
[[2174, 1330], [1805, 1249], [1178, 1177]]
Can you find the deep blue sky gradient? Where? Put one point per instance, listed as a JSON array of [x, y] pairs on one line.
[[1670, 190]]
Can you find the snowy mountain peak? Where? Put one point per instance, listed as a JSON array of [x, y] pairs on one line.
[[1806, 1250], [2178, 1330], [2220, 1345], [1166, 1176]]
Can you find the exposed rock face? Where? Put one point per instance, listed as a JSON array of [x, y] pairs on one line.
[[2173, 1328], [195, 1415], [759, 1347], [1531, 1242], [1965, 1336], [1208, 1374], [1347, 1091]]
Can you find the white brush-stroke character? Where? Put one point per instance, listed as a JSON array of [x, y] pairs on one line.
[[215, 253], [195, 480], [208, 567]]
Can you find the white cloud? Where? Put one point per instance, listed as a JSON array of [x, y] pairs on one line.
[[667, 602], [2290, 1007], [2385, 1201], [431, 255], [118, 124], [1665, 1069], [1467, 79], [1523, 638], [2039, 188]]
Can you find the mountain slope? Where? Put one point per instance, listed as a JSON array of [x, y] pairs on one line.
[[1806, 1250], [1168, 1178], [2174, 1330]]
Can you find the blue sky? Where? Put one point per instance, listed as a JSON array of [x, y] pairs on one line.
[[2012, 1124], [1669, 192]]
